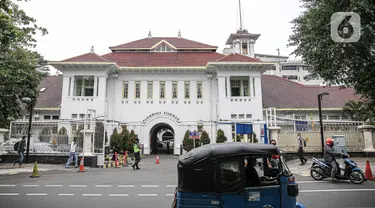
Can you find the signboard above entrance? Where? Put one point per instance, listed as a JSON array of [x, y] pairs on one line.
[[164, 113]]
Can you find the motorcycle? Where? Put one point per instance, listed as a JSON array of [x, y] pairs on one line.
[[320, 170]]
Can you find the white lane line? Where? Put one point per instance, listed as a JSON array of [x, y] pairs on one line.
[[9, 194], [125, 186], [30, 185], [65, 194], [171, 186], [77, 186], [6, 185], [147, 194], [91, 194], [54, 185], [169, 194], [37, 194], [118, 195], [150, 186], [335, 190], [103, 186]]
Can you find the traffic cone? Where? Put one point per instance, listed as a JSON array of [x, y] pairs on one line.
[[125, 159], [116, 160], [157, 159], [368, 173], [35, 173], [81, 166]]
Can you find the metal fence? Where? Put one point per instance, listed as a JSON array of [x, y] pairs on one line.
[[54, 137], [310, 130]]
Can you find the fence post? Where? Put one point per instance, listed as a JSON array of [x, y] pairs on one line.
[[274, 133], [367, 134], [2, 133]]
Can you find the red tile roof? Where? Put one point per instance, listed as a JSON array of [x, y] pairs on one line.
[[87, 57], [176, 42], [235, 57], [142, 59], [282, 93], [51, 97]]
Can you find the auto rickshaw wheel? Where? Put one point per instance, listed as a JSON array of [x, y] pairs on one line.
[[316, 173]]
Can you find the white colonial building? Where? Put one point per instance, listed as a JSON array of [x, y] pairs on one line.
[[164, 82]]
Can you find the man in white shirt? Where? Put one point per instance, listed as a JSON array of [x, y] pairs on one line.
[[73, 153]]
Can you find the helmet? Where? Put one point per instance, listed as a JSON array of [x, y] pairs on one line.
[[329, 142]]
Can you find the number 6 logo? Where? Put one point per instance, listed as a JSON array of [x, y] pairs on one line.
[[345, 27]]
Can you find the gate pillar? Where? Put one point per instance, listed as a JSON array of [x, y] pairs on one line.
[[2, 133], [88, 143]]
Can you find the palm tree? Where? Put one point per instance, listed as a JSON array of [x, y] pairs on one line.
[[358, 111]]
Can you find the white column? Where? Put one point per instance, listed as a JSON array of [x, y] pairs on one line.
[[274, 133], [367, 134], [72, 85], [87, 144], [2, 133]]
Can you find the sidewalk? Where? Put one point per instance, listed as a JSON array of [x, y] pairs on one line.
[[9, 169], [303, 170]]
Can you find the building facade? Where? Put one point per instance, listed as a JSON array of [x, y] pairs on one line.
[[164, 83]]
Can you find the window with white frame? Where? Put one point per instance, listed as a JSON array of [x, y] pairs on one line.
[[174, 90], [137, 90], [164, 48], [244, 49], [239, 86], [162, 90], [125, 89], [290, 77], [84, 86], [150, 87], [199, 90], [289, 68], [187, 90]]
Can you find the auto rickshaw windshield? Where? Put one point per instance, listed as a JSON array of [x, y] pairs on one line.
[[286, 171]]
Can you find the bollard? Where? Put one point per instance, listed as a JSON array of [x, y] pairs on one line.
[[180, 149], [125, 158]]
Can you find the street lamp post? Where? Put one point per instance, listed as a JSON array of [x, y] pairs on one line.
[[28, 100], [320, 95]]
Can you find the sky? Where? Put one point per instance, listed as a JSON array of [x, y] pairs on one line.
[[76, 25]]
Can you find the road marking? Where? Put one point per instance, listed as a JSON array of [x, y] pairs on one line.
[[335, 190], [30, 185], [103, 186], [5, 185], [65, 194], [118, 195], [147, 194], [171, 186], [91, 194], [125, 186], [150, 186], [37, 194], [78, 186], [169, 194], [54, 185], [9, 194]]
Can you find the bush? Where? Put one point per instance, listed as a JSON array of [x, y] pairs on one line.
[[221, 138], [205, 139], [187, 143], [131, 141], [124, 138], [115, 142]]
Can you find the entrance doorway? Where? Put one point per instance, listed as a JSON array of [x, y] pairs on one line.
[[161, 139]]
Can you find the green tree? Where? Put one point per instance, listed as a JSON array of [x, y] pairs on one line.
[[19, 76], [221, 138], [188, 144], [124, 137], [205, 139], [115, 141], [350, 63], [131, 140], [356, 110]]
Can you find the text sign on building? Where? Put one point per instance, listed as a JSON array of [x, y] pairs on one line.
[[194, 135], [164, 113]]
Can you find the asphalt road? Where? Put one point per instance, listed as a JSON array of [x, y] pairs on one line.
[[152, 186]]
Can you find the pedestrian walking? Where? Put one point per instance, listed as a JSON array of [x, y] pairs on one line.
[[20, 148], [73, 153], [137, 154], [301, 146]]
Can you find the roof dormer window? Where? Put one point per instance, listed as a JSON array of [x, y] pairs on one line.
[[163, 48]]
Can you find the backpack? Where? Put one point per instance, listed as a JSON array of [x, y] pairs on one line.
[[16, 146]]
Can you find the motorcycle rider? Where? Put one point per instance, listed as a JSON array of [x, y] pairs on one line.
[[330, 157]]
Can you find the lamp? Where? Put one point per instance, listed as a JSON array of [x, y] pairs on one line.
[[28, 101], [320, 96]]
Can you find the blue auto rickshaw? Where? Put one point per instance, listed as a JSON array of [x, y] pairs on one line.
[[235, 175]]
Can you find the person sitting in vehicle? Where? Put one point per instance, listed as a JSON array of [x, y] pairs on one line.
[[252, 177], [330, 157]]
